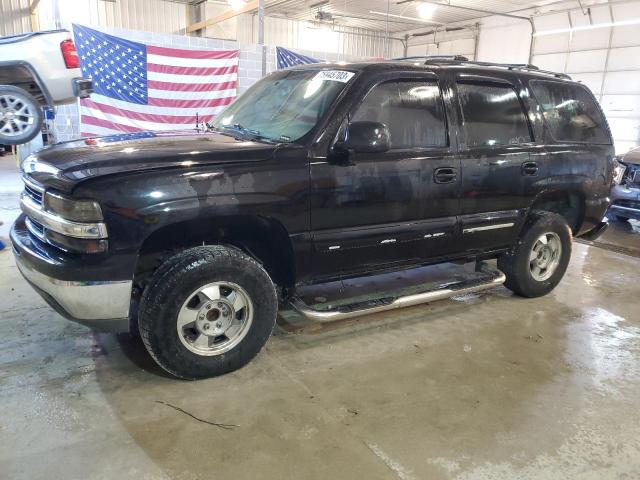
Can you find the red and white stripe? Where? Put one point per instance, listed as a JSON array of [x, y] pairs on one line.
[[181, 84]]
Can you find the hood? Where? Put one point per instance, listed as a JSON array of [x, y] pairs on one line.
[[632, 156], [64, 165]]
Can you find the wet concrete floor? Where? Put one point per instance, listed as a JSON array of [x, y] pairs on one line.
[[485, 386]]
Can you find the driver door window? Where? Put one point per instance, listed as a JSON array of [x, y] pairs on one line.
[[413, 111]]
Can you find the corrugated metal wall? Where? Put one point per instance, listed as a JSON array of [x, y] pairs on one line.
[[306, 36], [346, 41], [148, 15], [14, 17]]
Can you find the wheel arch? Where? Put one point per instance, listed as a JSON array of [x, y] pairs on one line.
[[22, 74], [570, 204], [264, 238]]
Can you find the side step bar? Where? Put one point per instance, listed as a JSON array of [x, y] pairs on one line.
[[494, 278]]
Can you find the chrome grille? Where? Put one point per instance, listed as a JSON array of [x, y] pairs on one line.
[[35, 228], [34, 191]]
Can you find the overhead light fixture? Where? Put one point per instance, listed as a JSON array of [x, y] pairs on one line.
[[621, 23], [236, 4], [385, 14], [426, 10]]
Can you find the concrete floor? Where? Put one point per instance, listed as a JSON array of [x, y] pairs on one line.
[[486, 386]]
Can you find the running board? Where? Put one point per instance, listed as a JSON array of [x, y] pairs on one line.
[[495, 278]]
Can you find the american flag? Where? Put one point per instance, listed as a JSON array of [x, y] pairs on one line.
[[141, 87], [287, 58]]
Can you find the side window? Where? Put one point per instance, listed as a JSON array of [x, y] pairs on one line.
[[492, 115], [413, 111], [570, 112]]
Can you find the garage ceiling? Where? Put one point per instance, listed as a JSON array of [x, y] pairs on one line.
[[403, 14]]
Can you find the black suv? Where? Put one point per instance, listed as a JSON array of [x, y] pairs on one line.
[[316, 173]]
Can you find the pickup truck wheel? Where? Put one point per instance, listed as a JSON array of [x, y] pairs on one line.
[[20, 116], [207, 311], [539, 260]]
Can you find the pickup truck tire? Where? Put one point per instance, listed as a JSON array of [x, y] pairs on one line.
[[540, 258], [207, 311], [20, 116]]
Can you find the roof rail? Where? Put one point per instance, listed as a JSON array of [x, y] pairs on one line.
[[435, 58], [461, 60]]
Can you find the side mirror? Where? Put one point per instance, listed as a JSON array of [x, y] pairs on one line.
[[366, 137]]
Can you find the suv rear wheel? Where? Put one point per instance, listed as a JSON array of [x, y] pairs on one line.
[[20, 116], [540, 258], [207, 311]]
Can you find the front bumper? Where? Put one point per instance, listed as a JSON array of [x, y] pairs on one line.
[[82, 87], [625, 201], [102, 305]]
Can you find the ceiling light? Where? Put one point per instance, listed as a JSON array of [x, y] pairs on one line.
[[621, 23], [426, 10], [236, 4], [391, 15]]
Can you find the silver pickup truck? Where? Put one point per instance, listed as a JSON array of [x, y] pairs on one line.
[[36, 70]]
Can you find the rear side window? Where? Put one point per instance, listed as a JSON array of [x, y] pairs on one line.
[[413, 111], [570, 112], [492, 115]]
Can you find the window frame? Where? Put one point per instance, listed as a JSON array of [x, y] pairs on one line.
[[545, 123], [492, 82], [427, 77]]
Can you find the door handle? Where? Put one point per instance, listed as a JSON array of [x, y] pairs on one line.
[[445, 175], [530, 168]]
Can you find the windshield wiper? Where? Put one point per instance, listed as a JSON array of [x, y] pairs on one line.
[[247, 132]]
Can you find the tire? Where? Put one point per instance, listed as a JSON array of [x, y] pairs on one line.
[[20, 116], [524, 275], [185, 287]]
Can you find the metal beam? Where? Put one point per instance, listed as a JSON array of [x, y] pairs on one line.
[[226, 15], [34, 5], [467, 9], [33, 12], [263, 48]]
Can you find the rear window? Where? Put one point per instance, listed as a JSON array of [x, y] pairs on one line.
[[570, 112]]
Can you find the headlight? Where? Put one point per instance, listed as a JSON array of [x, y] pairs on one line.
[[618, 172], [74, 210]]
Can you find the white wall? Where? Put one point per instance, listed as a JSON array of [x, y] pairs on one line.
[[14, 17], [504, 40], [149, 15], [304, 35], [607, 60]]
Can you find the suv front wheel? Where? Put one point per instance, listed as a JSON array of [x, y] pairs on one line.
[[541, 256], [207, 311]]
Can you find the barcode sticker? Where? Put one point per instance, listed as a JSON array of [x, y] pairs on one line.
[[334, 75]]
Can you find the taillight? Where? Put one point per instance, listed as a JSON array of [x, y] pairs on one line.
[[70, 54]]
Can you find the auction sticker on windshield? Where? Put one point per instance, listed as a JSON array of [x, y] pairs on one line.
[[334, 75]]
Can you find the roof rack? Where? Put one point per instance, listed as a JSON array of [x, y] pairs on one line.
[[435, 58], [461, 60]]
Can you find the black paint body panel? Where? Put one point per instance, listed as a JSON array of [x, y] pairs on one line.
[[383, 211]]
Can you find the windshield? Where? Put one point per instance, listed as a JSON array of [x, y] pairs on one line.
[[284, 106]]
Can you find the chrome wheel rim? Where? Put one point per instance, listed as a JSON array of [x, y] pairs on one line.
[[215, 318], [16, 116], [545, 256]]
